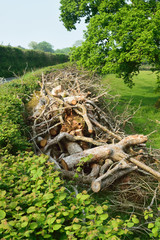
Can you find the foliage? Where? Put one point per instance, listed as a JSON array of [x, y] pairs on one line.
[[34, 204], [14, 61], [63, 50], [78, 43], [146, 119], [13, 95], [120, 36], [41, 46]]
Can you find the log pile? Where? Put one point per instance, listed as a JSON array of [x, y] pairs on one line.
[[78, 136]]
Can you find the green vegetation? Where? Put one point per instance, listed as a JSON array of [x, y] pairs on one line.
[[13, 95], [41, 46], [147, 118], [63, 50], [35, 203], [16, 61], [120, 35]]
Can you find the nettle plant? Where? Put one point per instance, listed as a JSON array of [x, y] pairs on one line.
[[34, 204]]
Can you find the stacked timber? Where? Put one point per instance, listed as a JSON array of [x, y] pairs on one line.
[[80, 138]]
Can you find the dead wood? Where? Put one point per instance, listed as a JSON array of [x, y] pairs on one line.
[[97, 185], [95, 170], [105, 166], [73, 147], [96, 154], [74, 131], [114, 151]]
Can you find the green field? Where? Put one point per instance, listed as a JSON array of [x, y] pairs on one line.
[[147, 118]]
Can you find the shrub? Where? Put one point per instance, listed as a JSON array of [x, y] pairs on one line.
[[15, 60], [13, 95], [34, 204]]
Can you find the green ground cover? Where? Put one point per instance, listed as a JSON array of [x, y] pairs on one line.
[[147, 118]]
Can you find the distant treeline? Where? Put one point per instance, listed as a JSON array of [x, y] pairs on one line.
[[16, 60]]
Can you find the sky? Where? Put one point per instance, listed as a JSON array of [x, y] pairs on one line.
[[23, 21]]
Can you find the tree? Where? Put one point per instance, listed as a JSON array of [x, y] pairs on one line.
[[33, 45], [41, 46], [78, 43], [120, 34], [63, 50]]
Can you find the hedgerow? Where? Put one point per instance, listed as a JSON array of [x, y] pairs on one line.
[[16, 60], [13, 95], [35, 205]]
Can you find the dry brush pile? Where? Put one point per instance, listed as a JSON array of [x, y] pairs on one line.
[[85, 141]]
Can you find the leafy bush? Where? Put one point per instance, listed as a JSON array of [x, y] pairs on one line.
[[13, 95], [34, 204], [15, 60]]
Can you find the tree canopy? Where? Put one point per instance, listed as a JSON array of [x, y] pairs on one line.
[[120, 34], [41, 46]]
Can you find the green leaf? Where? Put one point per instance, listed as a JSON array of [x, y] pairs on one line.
[[92, 216], [150, 225], [91, 208], [3, 204], [84, 197], [76, 226], [31, 209], [24, 224], [62, 196], [57, 226], [47, 236], [33, 225], [135, 220], [13, 205], [99, 210], [104, 216], [76, 175], [130, 224], [48, 196], [65, 213], [51, 220], [2, 214]]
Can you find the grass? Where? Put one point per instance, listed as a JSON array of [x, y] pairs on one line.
[[147, 119]]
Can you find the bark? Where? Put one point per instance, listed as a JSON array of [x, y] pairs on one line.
[[95, 170], [97, 154], [106, 165], [98, 185], [73, 147], [115, 151]]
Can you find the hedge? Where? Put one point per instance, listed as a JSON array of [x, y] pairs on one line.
[[14, 61], [13, 96]]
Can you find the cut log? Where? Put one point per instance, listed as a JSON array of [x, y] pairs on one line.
[[97, 154], [97, 185], [73, 147], [42, 142], [105, 166], [115, 151], [73, 100], [95, 170], [54, 131]]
